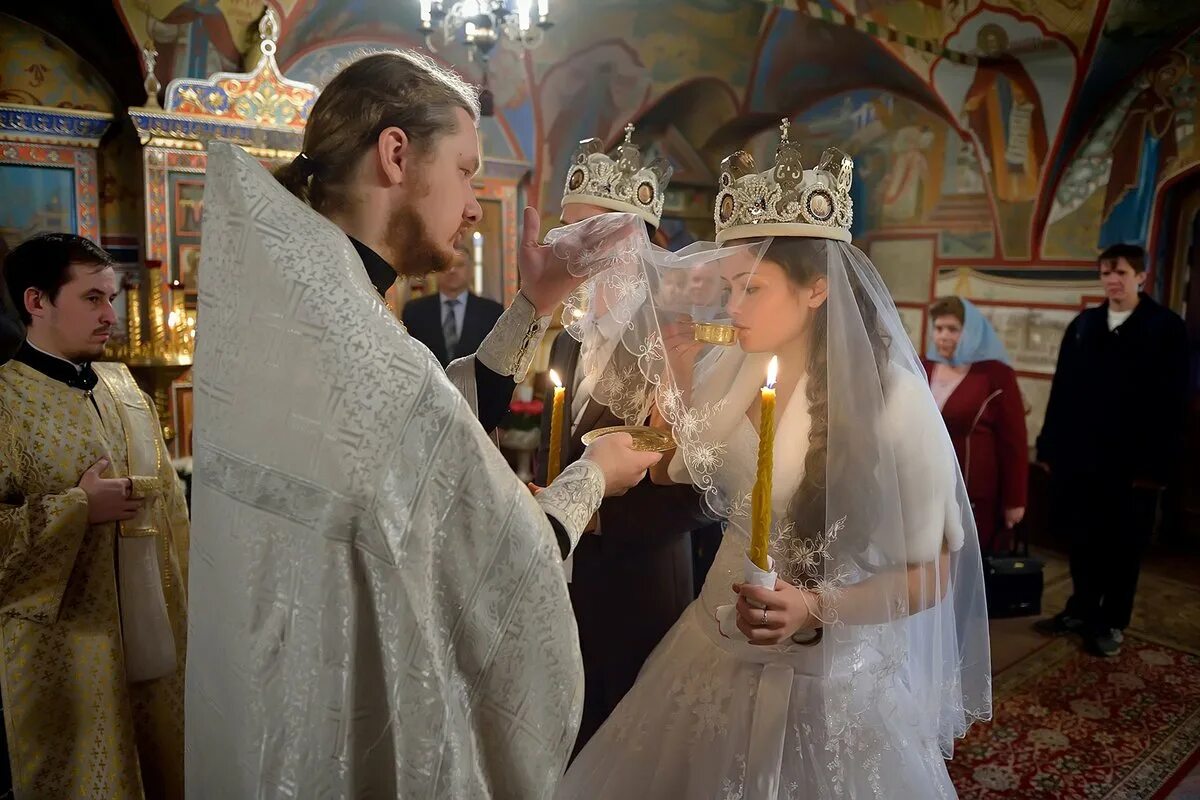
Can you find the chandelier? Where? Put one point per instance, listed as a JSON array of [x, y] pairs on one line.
[[481, 24]]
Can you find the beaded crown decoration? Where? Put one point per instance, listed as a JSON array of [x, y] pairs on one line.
[[786, 200], [622, 183]]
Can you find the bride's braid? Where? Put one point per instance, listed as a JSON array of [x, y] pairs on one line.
[[805, 260], [807, 507]]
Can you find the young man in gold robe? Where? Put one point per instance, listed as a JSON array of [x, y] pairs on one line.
[[93, 547]]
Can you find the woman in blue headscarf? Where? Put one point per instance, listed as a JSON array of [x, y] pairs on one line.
[[977, 391]]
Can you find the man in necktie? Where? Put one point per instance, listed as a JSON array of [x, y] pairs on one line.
[[453, 322], [450, 325]]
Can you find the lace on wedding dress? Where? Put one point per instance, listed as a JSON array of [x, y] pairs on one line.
[[884, 537]]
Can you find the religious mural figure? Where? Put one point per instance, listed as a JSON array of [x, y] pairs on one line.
[[908, 175], [1143, 147], [186, 32], [1004, 111]]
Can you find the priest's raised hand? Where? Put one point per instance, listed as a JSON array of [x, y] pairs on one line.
[[550, 272]]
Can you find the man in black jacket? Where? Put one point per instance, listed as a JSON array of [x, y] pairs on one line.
[[1111, 439], [453, 322]]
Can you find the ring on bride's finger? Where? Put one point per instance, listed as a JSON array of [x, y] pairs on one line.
[[764, 619]]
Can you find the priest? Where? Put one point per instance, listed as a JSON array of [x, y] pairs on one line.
[[384, 608], [93, 547]]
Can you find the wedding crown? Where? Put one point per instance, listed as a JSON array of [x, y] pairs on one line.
[[623, 184], [787, 200]]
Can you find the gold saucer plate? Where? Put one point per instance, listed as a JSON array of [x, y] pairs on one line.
[[646, 439], [711, 333]]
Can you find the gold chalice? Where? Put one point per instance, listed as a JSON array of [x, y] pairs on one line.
[[715, 333], [646, 439]]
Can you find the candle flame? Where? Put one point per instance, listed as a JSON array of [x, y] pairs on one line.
[[772, 372], [172, 320], [555, 379]]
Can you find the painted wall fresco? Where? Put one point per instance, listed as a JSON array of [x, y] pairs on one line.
[[195, 38], [39, 70], [576, 86], [1011, 109], [998, 182], [1107, 193], [931, 19]]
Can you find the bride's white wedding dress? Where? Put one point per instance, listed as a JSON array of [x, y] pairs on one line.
[[714, 717]]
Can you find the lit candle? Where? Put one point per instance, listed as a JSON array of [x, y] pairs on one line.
[[426, 13], [553, 465], [523, 15], [543, 10], [175, 320], [760, 532], [477, 240]]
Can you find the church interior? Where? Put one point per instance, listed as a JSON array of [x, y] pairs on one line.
[[999, 147]]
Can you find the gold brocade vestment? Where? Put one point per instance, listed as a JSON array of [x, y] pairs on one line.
[[76, 727]]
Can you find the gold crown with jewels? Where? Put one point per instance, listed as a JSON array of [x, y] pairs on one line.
[[786, 200], [620, 184]]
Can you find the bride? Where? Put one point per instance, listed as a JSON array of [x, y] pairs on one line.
[[847, 667]]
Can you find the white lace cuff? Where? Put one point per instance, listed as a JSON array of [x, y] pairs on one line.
[[573, 497], [510, 347]]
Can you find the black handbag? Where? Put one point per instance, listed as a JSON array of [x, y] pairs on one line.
[[1013, 582]]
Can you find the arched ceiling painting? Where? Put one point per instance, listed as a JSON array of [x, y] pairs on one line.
[[41, 70], [720, 72]]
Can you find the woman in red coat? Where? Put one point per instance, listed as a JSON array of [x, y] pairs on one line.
[[977, 392]]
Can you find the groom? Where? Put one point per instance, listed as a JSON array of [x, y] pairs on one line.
[[381, 605], [641, 537]]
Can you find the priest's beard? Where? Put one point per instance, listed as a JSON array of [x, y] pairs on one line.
[[416, 251]]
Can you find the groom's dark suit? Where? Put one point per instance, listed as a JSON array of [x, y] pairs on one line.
[[632, 580]]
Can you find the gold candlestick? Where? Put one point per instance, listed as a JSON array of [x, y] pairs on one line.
[[158, 323], [133, 318]]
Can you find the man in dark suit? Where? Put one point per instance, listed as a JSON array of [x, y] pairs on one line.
[[453, 322], [632, 577]]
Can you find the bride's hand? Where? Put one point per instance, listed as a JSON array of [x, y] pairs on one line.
[[788, 609]]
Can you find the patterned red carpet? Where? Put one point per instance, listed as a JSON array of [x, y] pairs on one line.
[[1068, 725]]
